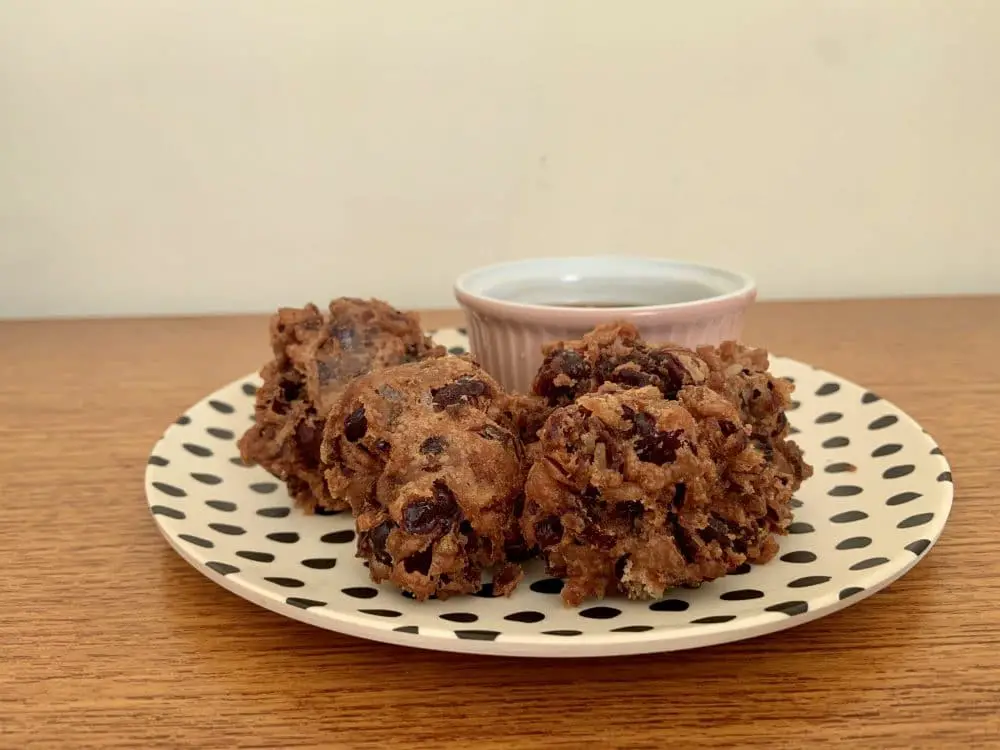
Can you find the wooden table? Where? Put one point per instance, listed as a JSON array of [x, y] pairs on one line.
[[108, 639]]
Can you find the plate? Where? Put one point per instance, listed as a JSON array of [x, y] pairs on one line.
[[878, 501]]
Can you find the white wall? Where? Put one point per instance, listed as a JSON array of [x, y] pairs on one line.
[[230, 155]]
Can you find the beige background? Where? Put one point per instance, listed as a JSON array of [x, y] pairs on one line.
[[162, 157]]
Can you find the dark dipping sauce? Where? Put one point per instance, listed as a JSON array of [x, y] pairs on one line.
[[653, 292]]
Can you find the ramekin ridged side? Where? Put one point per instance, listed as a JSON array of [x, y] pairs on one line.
[[509, 347]]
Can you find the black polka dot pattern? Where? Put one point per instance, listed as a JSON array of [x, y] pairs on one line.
[[742, 595], [840, 467], [381, 612], [223, 505], [854, 542], [839, 441], [871, 562], [360, 592], [877, 502], [896, 472], [918, 547], [805, 581], [164, 510], [206, 478], [169, 489], [882, 422], [221, 406], [478, 635], [288, 583], [600, 613], [547, 586], [916, 520], [486, 592], [261, 557], [222, 568], [196, 540], [799, 557], [849, 516], [796, 607], [528, 616], [320, 563], [829, 417], [845, 490], [338, 537], [888, 449], [278, 512], [465, 617], [903, 497], [302, 603], [227, 528]]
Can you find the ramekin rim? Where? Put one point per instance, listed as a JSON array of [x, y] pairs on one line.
[[746, 290]]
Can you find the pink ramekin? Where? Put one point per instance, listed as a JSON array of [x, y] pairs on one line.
[[515, 308]]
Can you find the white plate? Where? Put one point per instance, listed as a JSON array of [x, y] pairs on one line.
[[877, 503]]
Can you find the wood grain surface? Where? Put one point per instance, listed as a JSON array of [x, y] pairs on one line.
[[108, 639]]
